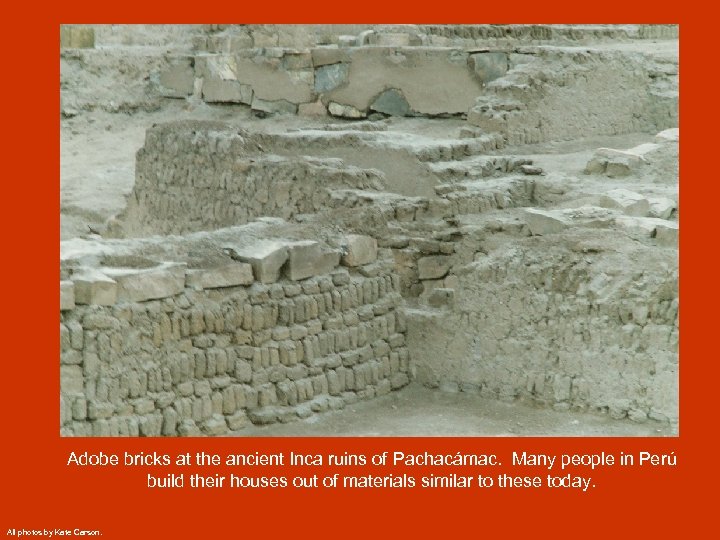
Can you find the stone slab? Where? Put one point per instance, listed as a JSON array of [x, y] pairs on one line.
[[67, 295], [228, 275], [93, 287], [306, 259], [359, 249], [628, 202], [140, 285], [433, 267], [266, 258], [542, 222], [178, 80]]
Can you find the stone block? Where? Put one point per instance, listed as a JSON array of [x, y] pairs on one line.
[[614, 163], [316, 108], [237, 421], [433, 267], [266, 259], [668, 135], [628, 202], [280, 106], [666, 234], [359, 250], [489, 66], [226, 91], [661, 207], [228, 275], [306, 259], [542, 222], [329, 77], [345, 111], [178, 80], [93, 287], [322, 56], [442, 297], [139, 285], [215, 425], [640, 226], [67, 295], [391, 102], [71, 379], [390, 39]]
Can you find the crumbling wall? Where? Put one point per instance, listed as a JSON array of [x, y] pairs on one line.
[[553, 94], [171, 351], [561, 322], [194, 176]]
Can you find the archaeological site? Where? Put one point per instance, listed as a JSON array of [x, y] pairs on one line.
[[377, 230]]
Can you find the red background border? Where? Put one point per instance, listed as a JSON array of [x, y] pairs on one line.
[[41, 492]]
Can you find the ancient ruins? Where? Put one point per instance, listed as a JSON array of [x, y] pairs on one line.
[[261, 225]]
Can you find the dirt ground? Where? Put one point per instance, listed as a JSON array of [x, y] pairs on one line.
[[416, 411]]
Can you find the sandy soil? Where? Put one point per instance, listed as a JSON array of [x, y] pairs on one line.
[[422, 412]]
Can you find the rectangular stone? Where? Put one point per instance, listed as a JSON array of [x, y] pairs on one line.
[[139, 285], [93, 287], [178, 80], [433, 267], [628, 202], [226, 91], [228, 275], [359, 250], [543, 221], [67, 295], [306, 259], [266, 259], [71, 379], [322, 56]]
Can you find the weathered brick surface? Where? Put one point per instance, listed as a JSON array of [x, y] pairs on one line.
[[203, 363]]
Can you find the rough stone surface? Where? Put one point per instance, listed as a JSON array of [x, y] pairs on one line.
[[628, 202], [94, 288], [229, 275], [67, 295], [359, 250], [542, 222], [266, 259], [391, 102], [139, 285], [433, 267]]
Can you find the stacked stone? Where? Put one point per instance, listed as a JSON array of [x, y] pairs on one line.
[[556, 330], [193, 177], [214, 357], [534, 113]]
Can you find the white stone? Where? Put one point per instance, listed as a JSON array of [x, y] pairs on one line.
[[93, 287], [433, 267], [614, 163], [141, 284], [228, 275], [668, 135], [266, 259], [307, 259], [345, 111], [543, 221], [629, 202], [642, 226], [67, 295], [666, 234], [359, 250], [661, 207]]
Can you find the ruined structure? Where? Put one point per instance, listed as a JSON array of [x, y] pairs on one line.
[[377, 206]]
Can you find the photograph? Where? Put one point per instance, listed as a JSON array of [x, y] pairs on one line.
[[369, 230]]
